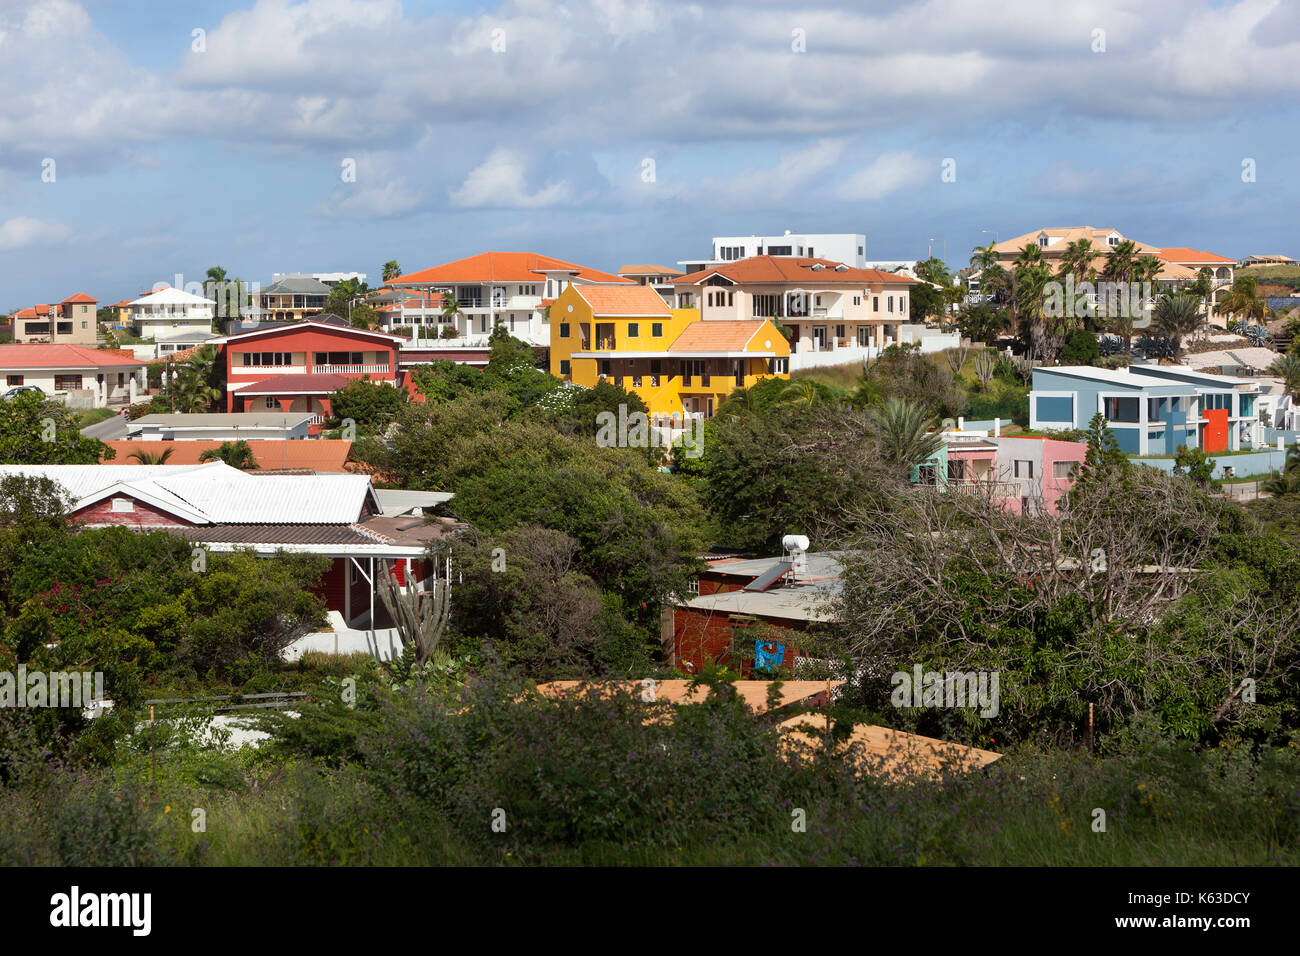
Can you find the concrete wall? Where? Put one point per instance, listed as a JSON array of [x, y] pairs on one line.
[[1254, 463]]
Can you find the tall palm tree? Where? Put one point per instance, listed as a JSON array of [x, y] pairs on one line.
[[1176, 314], [451, 310], [1120, 268], [1077, 260], [151, 457], [985, 257], [236, 454], [902, 429], [1287, 368], [391, 270]]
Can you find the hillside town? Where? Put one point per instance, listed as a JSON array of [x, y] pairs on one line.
[[617, 433]]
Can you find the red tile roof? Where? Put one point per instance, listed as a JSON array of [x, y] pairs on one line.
[[78, 299], [313, 455], [1182, 254], [623, 300], [501, 267], [295, 385], [787, 270], [722, 336], [65, 356], [643, 270]]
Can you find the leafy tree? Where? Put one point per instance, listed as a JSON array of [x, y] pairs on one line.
[[391, 270], [1195, 465], [981, 322], [236, 454], [372, 405], [1080, 349], [35, 430]]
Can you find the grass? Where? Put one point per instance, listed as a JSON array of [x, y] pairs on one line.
[[91, 416]]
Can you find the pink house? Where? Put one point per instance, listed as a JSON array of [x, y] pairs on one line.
[[1028, 474]]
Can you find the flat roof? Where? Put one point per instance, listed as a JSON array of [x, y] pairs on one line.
[[1111, 377], [225, 419]]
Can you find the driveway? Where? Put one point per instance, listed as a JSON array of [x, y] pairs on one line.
[[110, 429]]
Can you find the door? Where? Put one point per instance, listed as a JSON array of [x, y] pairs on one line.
[[819, 337]]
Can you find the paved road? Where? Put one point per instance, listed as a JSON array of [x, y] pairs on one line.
[[110, 429]]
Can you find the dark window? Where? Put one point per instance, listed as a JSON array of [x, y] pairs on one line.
[[14, 380], [564, 330], [1023, 469], [564, 366], [66, 383], [656, 329], [633, 329]]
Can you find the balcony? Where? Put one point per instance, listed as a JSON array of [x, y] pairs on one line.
[[269, 370], [384, 369]]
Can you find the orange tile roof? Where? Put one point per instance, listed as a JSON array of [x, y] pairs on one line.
[[1184, 255], [730, 335], [649, 271], [79, 298], [786, 270], [623, 300], [501, 267], [316, 454], [65, 356]]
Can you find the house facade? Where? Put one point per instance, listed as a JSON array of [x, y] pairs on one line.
[[1026, 475], [293, 298], [70, 322], [849, 248], [96, 376], [170, 312], [680, 366], [1228, 405], [510, 288], [837, 314], [294, 368]]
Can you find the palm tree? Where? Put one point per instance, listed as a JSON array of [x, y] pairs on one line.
[[391, 270], [803, 393], [451, 310], [236, 454], [1288, 482], [1287, 368], [985, 257], [1177, 314], [191, 390], [1077, 260], [1244, 301], [151, 457], [902, 429]]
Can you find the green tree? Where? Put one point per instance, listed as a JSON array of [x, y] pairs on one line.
[[372, 405], [1080, 349], [1195, 465], [1287, 368], [391, 270], [1176, 315], [35, 430], [236, 454], [902, 429], [150, 457]]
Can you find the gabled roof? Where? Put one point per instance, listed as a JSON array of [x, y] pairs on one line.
[[623, 300], [793, 270], [501, 267], [216, 493], [327, 454], [170, 296], [46, 356], [722, 336], [298, 285], [313, 323], [79, 299]]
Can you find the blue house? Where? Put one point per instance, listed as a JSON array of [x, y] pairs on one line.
[[1148, 415], [1226, 403]]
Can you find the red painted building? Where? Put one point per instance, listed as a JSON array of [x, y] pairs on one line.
[[294, 368]]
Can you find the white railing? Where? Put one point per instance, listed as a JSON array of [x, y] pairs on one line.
[[317, 420], [351, 369], [262, 369]]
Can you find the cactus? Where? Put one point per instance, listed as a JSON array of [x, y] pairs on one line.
[[419, 616]]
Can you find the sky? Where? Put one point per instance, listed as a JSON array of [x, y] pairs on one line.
[[142, 140]]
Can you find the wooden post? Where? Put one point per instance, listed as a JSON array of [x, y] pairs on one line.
[[153, 766], [1090, 728]]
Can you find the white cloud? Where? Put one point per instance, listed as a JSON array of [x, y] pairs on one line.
[[888, 173], [23, 231], [500, 182]]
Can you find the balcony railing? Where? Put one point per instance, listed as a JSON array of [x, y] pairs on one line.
[[264, 369], [351, 369]]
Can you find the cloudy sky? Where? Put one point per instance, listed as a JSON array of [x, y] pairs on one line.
[[141, 139]]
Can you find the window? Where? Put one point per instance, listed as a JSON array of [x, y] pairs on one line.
[[875, 303], [810, 250], [864, 336], [1022, 468], [1064, 469], [604, 366], [927, 474], [779, 366], [564, 330], [14, 380], [861, 251], [956, 469], [656, 329], [656, 369], [633, 329], [839, 331], [564, 366], [123, 505], [66, 383], [269, 403], [780, 250]]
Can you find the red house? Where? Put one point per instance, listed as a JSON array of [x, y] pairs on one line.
[[294, 368]]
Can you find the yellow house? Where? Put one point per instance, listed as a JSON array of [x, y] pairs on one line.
[[677, 363]]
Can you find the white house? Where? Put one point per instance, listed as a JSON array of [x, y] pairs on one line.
[[220, 426], [170, 312], [76, 374], [846, 247]]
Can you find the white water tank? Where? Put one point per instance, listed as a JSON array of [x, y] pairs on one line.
[[795, 542]]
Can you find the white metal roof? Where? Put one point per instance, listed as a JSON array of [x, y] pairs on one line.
[[170, 296], [216, 493]]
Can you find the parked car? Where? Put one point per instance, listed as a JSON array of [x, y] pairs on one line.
[[19, 389]]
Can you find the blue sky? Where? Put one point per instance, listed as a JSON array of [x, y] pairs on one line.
[[526, 125]]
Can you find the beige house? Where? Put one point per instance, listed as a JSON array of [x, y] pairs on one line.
[[828, 306], [70, 322]]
